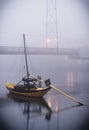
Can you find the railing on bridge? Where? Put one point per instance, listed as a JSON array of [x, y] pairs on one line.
[[38, 51]]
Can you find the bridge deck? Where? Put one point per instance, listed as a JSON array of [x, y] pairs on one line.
[[38, 51]]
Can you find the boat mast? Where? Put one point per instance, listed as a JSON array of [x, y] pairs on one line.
[[25, 56]]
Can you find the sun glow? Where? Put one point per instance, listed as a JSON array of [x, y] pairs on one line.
[[51, 42]]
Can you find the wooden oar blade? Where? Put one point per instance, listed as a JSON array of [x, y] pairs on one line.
[[48, 83], [65, 94]]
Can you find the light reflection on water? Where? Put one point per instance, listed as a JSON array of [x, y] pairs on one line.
[[54, 112], [70, 81], [47, 114]]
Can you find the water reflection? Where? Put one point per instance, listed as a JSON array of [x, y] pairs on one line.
[[34, 113], [33, 107], [70, 80], [53, 103]]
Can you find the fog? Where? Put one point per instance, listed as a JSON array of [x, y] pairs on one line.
[[29, 17]]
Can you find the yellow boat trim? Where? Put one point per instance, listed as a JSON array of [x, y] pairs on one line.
[[37, 93], [9, 85]]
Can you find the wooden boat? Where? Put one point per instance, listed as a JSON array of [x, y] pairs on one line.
[[29, 86], [26, 90]]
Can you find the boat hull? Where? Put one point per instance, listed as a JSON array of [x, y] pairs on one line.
[[34, 92]]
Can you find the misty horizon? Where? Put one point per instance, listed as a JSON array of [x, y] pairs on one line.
[[29, 17]]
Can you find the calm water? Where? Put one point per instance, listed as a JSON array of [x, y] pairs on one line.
[[54, 111]]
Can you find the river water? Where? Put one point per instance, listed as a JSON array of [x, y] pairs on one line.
[[54, 111]]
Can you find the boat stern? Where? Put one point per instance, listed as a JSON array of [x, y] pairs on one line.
[[9, 85]]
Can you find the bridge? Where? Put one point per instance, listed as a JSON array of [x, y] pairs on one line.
[[8, 50]]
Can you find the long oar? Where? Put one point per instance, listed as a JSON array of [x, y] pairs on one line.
[[65, 94], [60, 91]]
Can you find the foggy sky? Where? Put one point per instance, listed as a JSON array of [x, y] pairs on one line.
[[29, 17]]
